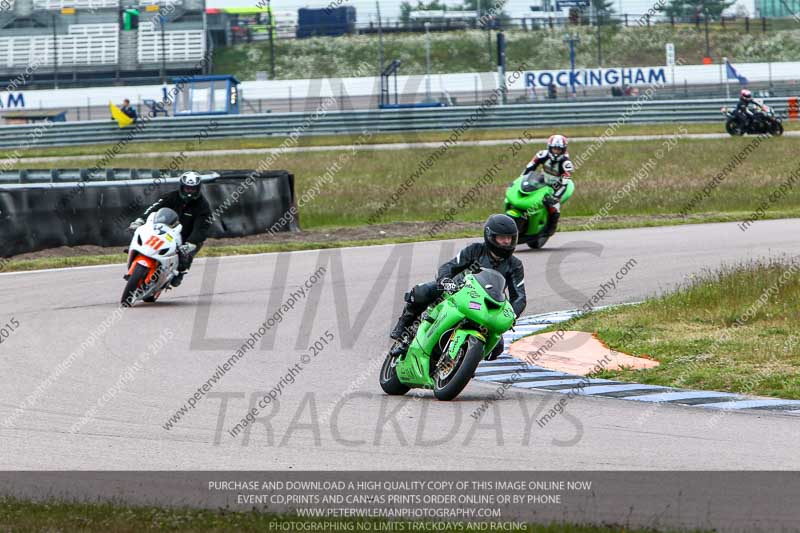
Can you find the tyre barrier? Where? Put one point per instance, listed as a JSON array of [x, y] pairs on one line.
[[40, 211]]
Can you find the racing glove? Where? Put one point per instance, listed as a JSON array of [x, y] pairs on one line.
[[187, 248], [135, 224], [550, 200]]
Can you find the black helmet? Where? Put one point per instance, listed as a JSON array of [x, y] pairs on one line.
[[495, 226], [190, 186]]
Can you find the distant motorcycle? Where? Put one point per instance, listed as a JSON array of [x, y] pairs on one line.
[[524, 203], [762, 121], [152, 257]]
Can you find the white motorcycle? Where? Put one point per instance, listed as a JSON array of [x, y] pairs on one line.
[[153, 257]]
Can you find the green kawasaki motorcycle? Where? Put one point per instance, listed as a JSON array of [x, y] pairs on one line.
[[524, 204], [452, 338]]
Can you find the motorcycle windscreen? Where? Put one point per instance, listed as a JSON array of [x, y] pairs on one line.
[[493, 283], [166, 216], [532, 183]]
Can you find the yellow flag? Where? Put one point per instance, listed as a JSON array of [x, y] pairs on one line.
[[122, 119]]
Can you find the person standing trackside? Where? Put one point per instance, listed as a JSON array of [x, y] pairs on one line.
[[129, 110]]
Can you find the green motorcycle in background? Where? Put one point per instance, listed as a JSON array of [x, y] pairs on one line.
[[452, 338], [524, 203]]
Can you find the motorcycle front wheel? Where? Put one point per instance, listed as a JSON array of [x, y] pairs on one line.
[[452, 375], [135, 282], [390, 382], [776, 128], [538, 242]]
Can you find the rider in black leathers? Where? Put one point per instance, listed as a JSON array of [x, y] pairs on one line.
[[747, 110], [496, 252], [194, 213]]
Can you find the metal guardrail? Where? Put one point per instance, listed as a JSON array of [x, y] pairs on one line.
[[375, 120]]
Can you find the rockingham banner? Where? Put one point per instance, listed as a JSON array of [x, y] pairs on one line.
[[449, 84]]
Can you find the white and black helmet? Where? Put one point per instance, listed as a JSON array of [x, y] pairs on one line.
[[191, 183], [557, 141]]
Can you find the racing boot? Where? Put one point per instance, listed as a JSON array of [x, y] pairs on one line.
[[552, 222], [177, 280], [406, 320]]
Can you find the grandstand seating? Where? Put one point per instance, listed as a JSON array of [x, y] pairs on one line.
[[83, 44], [181, 45], [91, 42]]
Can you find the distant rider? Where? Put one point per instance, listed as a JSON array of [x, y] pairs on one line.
[[747, 109], [557, 169], [195, 217], [495, 252]]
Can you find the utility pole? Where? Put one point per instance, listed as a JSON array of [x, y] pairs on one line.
[[501, 65], [708, 47], [599, 38], [163, 21], [271, 42], [572, 40], [427, 61], [380, 38], [55, 54], [488, 32]]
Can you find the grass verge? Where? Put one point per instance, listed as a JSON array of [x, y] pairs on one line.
[[618, 185], [77, 258], [734, 329], [22, 516], [627, 179], [238, 143]]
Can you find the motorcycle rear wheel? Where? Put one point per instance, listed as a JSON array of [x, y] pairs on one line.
[[733, 128], [390, 382], [447, 387]]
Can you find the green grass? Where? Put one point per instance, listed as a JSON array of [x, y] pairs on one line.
[[466, 51], [22, 516], [378, 138], [368, 179], [714, 332]]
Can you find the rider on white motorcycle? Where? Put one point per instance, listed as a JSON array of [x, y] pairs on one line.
[[194, 212]]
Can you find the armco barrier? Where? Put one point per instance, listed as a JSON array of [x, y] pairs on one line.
[[378, 120], [37, 216]]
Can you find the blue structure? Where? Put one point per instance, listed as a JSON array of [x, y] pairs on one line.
[[207, 95], [328, 21]]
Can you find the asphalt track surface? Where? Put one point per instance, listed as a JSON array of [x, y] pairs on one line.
[[382, 146], [224, 300]]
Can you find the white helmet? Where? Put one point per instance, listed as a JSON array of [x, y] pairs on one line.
[[557, 141], [190, 186]]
